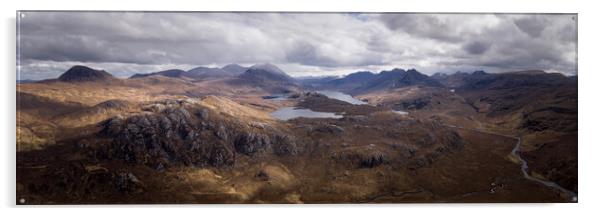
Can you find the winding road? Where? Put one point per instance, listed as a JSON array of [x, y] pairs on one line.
[[525, 166]]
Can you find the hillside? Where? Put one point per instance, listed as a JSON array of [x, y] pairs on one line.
[[167, 137], [80, 73]]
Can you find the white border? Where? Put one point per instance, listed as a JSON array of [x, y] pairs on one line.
[[589, 82]]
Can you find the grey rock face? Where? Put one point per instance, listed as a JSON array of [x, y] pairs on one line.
[[285, 145], [175, 136], [165, 139], [363, 158], [251, 143]]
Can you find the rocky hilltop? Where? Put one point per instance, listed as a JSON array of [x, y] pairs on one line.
[[80, 73], [198, 136]]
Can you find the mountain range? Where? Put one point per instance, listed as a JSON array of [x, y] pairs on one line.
[[197, 73], [208, 135]]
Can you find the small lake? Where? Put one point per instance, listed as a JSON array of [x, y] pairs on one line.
[[400, 112], [276, 97], [342, 97], [287, 113]]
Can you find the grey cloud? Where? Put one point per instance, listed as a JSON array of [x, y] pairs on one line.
[[127, 42], [532, 25], [305, 53], [476, 47], [429, 26], [532, 55]]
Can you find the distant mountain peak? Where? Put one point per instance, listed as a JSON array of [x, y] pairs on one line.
[[395, 73], [396, 70], [413, 77], [268, 67], [268, 76], [413, 72], [174, 72], [395, 78], [234, 69], [360, 74], [232, 65], [268, 71], [479, 72], [199, 68], [80, 73]]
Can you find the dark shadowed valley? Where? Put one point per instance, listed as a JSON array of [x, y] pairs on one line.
[[158, 107], [257, 135]]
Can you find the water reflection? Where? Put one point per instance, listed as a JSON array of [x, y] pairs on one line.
[[342, 97], [287, 113]]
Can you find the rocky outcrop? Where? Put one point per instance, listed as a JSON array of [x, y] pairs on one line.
[[170, 137], [363, 157], [177, 132], [250, 143], [418, 103], [112, 104], [550, 118], [373, 160], [286, 145], [77, 180]]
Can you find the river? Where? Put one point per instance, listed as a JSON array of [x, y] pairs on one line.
[[525, 166]]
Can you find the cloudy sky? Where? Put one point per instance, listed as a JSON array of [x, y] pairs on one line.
[[302, 44]]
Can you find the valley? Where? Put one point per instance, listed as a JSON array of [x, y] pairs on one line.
[[257, 135]]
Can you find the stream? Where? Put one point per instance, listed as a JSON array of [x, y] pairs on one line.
[[525, 166]]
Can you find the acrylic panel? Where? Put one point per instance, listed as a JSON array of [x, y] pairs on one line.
[[133, 107]]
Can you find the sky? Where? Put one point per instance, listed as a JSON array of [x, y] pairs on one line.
[[302, 44]]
